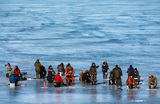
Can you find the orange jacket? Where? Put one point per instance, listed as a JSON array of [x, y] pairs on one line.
[[130, 80]]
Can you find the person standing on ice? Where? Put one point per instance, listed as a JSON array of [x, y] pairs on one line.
[[105, 69], [61, 69], [43, 72], [130, 71], [37, 65], [93, 72], [117, 73], [152, 81]]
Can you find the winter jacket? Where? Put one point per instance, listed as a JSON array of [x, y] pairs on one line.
[[85, 76], [58, 78], [130, 80], [105, 67], [136, 74], [8, 69], [117, 72], [130, 71], [17, 72], [37, 65], [42, 70], [60, 68], [152, 80], [93, 70]]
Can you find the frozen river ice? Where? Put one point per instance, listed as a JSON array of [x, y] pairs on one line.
[[121, 32]]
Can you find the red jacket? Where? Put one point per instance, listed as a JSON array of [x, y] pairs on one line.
[[130, 80], [58, 78], [17, 72]]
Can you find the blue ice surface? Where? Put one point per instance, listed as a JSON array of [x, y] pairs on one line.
[[79, 32]]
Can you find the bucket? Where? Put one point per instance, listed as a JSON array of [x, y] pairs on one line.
[[12, 85], [136, 79]]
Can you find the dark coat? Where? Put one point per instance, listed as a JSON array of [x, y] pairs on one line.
[[105, 67], [130, 71], [93, 70], [60, 68], [117, 72], [136, 74], [42, 70]]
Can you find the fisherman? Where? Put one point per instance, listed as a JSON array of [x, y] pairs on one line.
[[105, 69], [86, 77], [8, 70], [61, 69], [111, 78], [17, 73], [69, 74], [152, 81], [58, 80], [81, 74], [130, 71], [37, 65], [131, 82], [117, 73], [43, 72], [51, 74], [93, 73], [136, 75]]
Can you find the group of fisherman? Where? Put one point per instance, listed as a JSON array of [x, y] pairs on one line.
[[88, 76]]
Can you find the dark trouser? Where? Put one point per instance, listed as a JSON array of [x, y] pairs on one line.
[[131, 86], [94, 79], [105, 75], [42, 76], [111, 81], [149, 84], [118, 81], [37, 75]]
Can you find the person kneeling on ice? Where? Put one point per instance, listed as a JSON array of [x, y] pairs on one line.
[[58, 80], [131, 82], [81, 74], [152, 81], [86, 77], [93, 72], [69, 74], [111, 78]]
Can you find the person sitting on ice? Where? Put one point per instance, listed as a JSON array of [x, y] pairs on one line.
[[152, 81], [131, 82], [51, 74], [58, 80], [86, 77], [136, 75], [16, 72], [69, 74], [8, 70]]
